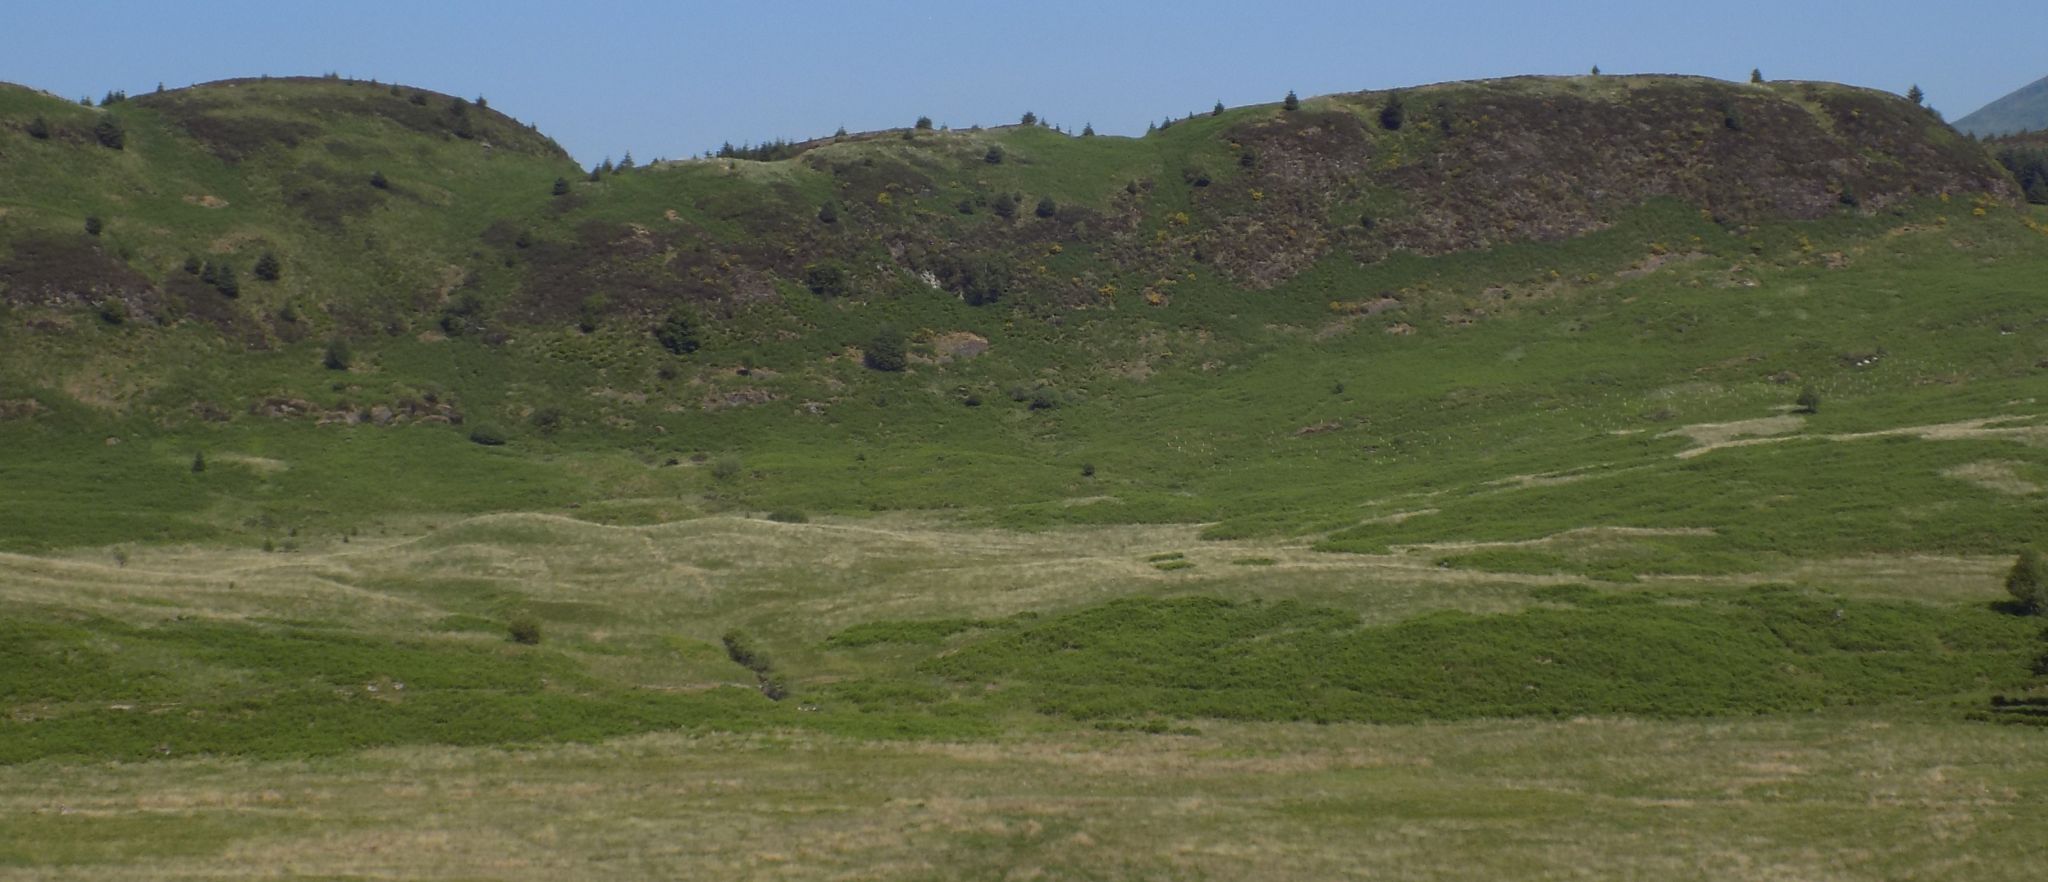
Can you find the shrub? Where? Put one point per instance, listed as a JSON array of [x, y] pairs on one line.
[[1088, 130], [885, 350], [994, 156], [39, 129], [1915, 95], [924, 124], [1291, 102], [1046, 207], [1808, 400], [789, 516], [726, 468], [1394, 113], [524, 630], [1217, 110], [198, 462], [1005, 205], [1195, 176], [1756, 75], [2027, 582], [827, 279], [487, 435], [678, 332], [93, 225], [268, 268], [1029, 119], [561, 186], [828, 214], [113, 311], [192, 264], [336, 356], [109, 133], [377, 180], [224, 281], [547, 420]]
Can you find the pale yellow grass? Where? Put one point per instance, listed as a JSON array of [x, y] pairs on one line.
[[1608, 799]]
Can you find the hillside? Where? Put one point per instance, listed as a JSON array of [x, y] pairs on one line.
[[1427, 482], [2025, 110]]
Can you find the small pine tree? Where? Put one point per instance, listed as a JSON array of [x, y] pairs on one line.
[[1291, 102], [198, 462], [2028, 582], [39, 129], [1004, 205], [1029, 119], [1217, 110], [1394, 113], [885, 351], [1915, 95], [561, 186], [524, 630], [595, 174], [268, 268], [626, 162], [840, 133], [1756, 75], [109, 133], [377, 180], [192, 264], [93, 225], [336, 355], [224, 281], [1046, 207], [924, 124], [1088, 130], [1808, 400], [1596, 70], [994, 156], [828, 214]]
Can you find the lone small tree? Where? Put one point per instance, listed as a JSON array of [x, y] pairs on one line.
[[1756, 75], [336, 356], [378, 180], [1217, 110], [1029, 119], [39, 129], [1596, 70], [561, 186], [994, 156], [1808, 400], [2028, 582], [924, 124], [1046, 207], [93, 225], [1915, 95], [198, 462], [1088, 130], [1290, 102]]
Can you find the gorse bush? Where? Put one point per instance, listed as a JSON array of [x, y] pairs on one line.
[[524, 630], [885, 351]]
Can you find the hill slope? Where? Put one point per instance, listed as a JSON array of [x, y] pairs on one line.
[[2025, 110]]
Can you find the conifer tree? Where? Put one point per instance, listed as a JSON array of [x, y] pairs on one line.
[[1291, 103]]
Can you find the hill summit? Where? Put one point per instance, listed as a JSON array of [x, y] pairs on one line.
[[2025, 110]]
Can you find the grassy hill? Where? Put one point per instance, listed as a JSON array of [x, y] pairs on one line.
[[2025, 110], [1439, 477]]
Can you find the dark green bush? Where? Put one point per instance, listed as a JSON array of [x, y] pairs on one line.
[[827, 279], [885, 351], [678, 332], [486, 435], [524, 630], [2027, 582], [39, 129], [93, 225], [268, 268], [1291, 102], [109, 133]]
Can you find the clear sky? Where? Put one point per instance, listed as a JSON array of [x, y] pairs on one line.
[[672, 79]]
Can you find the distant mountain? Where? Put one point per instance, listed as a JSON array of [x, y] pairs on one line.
[[2023, 111]]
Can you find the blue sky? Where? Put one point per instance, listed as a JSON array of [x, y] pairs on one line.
[[674, 79]]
